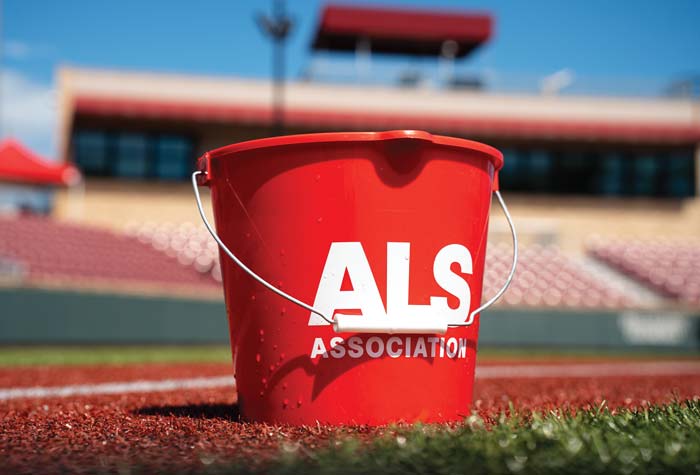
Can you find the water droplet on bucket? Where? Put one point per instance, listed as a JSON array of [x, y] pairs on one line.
[[283, 311], [274, 347], [262, 332], [264, 381], [280, 284], [272, 368], [257, 357], [247, 235], [318, 177], [299, 403], [281, 356], [285, 403], [262, 393], [282, 252], [252, 297], [319, 219]]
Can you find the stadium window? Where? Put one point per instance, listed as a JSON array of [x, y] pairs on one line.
[[646, 170], [681, 172], [173, 157], [131, 158], [540, 170], [577, 172], [611, 176], [611, 172], [510, 163], [90, 152], [515, 170]]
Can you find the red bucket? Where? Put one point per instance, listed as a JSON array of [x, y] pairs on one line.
[[378, 240]]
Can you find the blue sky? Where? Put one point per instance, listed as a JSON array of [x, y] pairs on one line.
[[643, 44]]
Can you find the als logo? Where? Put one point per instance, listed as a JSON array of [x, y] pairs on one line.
[[350, 258]]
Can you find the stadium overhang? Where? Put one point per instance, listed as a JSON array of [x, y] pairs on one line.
[[20, 165], [400, 31], [322, 119]]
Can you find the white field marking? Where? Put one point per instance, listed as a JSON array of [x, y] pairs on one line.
[[589, 370], [574, 370], [117, 388]]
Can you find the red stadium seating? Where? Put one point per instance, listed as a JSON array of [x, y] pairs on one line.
[[187, 244], [671, 267], [50, 250], [546, 277]]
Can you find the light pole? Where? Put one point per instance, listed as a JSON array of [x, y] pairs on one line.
[[277, 27]]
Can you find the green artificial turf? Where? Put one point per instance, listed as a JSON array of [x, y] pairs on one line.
[[655, 440], [77, 355]]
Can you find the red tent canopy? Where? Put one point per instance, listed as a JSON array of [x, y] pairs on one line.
[[20, 165]]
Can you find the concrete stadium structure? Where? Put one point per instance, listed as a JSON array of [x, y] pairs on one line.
[[575, 166]]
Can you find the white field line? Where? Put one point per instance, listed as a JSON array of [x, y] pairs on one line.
[[117, 388], [575, 370]]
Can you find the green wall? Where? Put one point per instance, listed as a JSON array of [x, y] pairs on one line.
[[29, 315], [40, 316]]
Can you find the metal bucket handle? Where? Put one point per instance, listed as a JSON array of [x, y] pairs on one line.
[[351, 323]]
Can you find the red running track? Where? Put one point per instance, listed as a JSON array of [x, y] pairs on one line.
[[185, 430]]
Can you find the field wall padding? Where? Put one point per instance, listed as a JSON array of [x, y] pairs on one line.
[[47, 316]]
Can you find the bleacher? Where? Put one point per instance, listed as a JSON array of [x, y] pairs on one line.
[[191, 246], [184, 255], [546, 276], [76, 255], [670, 267]]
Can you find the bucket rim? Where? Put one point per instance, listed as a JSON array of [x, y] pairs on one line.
[[494, 155]]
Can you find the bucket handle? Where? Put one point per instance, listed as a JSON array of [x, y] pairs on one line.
[[394, 328]]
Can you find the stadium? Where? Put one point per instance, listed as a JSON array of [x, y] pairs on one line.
[[113, 316]]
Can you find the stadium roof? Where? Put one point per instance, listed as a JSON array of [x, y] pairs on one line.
[[20, 165], [400, 31]]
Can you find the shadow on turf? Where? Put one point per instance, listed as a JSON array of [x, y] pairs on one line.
[[228, 412]]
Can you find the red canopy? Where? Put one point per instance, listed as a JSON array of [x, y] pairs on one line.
[[20, 165], [400, 30]]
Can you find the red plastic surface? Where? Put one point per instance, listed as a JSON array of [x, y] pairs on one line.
[[280, 203], [400, 30]]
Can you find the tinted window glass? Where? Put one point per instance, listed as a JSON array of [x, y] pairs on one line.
[[90, 152], [173, 159], [646, 170], [131, 158], [611, 174], [540, 169], [681, 174], [602, 172]]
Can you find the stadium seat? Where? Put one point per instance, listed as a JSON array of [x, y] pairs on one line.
[[53, 250], [668, 266], [548, 278]]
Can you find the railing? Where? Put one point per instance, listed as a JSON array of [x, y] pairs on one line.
[[443, 74]]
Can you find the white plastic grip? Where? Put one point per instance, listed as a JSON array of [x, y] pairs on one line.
[[381, 324]]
